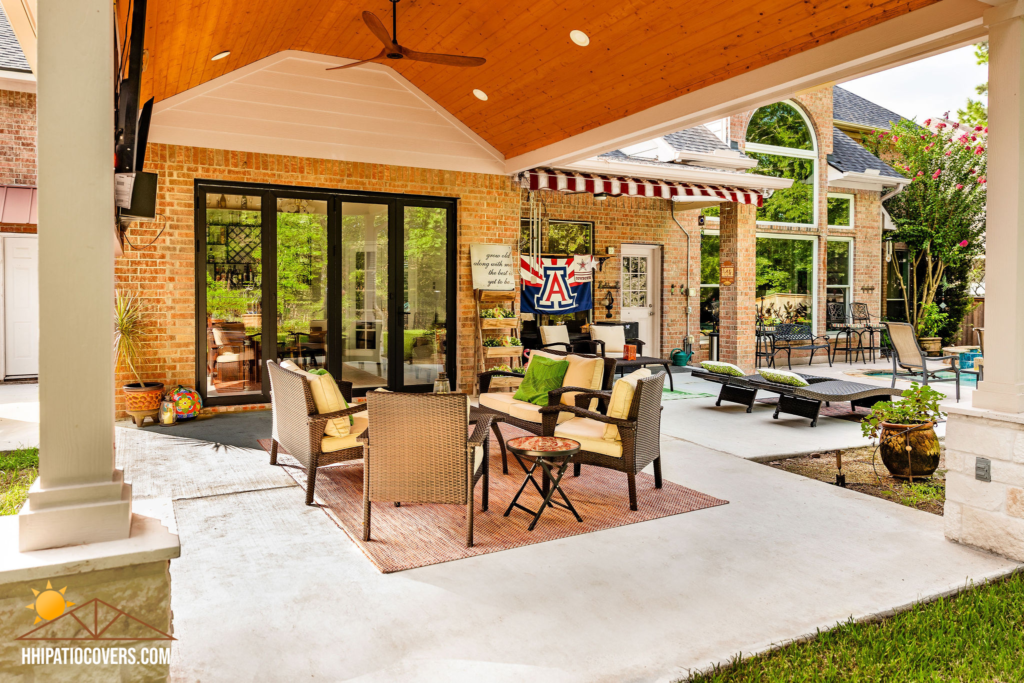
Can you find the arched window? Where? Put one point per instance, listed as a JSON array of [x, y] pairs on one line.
[[780, 138]]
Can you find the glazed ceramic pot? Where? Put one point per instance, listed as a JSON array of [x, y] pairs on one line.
[[909, 450], [138, 398]]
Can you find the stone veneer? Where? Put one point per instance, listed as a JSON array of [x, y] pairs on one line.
[[143, 591], [987, 515]]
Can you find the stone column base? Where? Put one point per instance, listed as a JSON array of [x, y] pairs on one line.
[[985, 514]]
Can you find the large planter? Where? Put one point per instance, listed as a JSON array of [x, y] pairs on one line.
[[138, 398], [931, 345], [909, 454]]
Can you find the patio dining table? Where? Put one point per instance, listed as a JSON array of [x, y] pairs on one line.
[[643, 362]]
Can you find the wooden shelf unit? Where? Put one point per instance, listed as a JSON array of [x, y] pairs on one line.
[[504, 326]]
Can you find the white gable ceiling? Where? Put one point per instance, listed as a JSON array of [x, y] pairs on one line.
[[289, 104]]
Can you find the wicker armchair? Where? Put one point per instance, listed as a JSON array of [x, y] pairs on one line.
[[298, 427], [639, 434], [418, 452]]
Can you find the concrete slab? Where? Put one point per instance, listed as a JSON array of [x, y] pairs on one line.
[[646, 602], [19, 415]]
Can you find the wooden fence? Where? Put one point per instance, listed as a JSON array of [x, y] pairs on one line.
[[975, 318]]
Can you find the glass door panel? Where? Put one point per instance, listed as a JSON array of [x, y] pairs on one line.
[[364, 295], [302, 282], [425, 301], [234, 294]]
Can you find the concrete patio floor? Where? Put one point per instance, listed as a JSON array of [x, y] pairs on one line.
[[269, 589]]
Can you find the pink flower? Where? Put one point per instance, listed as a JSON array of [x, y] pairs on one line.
[[964, 243], [956, 125], [920, 173], [923, 137], [949, 152], [927, 122], [986, 129], [962, 138], [977, 128], [937, 173], [959, 186], [982, 181], [895, 139], [974, 137], [974, 171], [979, 150], [940, 125]]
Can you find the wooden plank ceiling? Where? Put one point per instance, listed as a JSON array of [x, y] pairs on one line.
[[541, 87]]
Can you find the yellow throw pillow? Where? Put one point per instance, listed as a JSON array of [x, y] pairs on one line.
[[582, 372], [622, 399], [328, 399]]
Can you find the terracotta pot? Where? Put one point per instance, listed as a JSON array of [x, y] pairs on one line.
[[138, 398], [931, 345], [922, 458]]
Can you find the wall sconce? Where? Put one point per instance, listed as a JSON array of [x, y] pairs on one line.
[[609, 302]]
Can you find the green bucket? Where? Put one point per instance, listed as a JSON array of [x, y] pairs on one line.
[[679, 357]]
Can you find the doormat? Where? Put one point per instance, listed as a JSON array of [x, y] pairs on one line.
[[841, 411], [669, 395], [418, 535]]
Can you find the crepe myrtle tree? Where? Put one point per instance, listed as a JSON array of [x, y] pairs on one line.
[[940, 215]]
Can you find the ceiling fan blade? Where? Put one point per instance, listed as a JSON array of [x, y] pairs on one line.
[[364, 61], [377, 27], [447, 60]]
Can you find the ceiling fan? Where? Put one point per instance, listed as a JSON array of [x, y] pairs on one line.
[[392, 50]]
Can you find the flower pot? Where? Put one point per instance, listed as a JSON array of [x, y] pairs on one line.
[[909, 453], [931, 345], [138, 398]]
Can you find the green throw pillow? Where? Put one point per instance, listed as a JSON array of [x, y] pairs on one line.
[[542, 376], [783, 377], [720, 368]]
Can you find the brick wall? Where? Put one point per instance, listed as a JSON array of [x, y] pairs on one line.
[[736, 307], [17, 138], [164, 276]]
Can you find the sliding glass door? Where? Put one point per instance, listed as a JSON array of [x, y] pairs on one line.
[[361, 285]]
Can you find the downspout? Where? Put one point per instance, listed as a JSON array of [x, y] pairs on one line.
[[672, 206]]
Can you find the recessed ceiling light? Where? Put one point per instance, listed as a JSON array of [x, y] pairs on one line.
[[580, 38], [220, 55], [480, 95]]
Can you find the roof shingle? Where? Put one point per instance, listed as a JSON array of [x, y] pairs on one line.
[[855, 109], [11, 56], [849, 156]]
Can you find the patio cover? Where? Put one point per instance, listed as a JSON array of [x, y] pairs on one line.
[[616, 186]]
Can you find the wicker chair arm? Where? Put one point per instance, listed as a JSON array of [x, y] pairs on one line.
[[345, 387], [324, 417], [555, 395], [593, 346], [483, 426], [568, 347], [583, 412]]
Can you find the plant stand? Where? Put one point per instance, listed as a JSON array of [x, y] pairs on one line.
[[505, 326]]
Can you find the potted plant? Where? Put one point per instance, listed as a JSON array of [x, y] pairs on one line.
[[140, 397], [929, 323], [905, 431]]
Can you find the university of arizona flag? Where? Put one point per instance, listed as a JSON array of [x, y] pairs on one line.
[[557, 284]]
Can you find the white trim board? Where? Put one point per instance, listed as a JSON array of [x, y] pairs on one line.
[[289, 104]]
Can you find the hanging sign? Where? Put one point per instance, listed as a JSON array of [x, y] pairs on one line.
[[556, 284], [726, 274], [492, 267]]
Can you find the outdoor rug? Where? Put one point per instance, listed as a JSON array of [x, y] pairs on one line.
[[669, 395], [839, 410], [417, 535]]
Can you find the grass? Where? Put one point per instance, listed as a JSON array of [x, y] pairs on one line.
[[976, 635], [18, 469]]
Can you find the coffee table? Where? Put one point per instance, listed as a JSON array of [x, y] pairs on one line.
[[643, 362], [545, 452]]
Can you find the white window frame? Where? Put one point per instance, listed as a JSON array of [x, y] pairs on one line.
[[814, 266], [811, 154], [853, 209]]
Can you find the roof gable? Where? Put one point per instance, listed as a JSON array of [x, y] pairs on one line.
[[855, 109], [849, 156], [11, 56]]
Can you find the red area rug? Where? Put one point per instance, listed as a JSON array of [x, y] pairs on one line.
[[417, 535]]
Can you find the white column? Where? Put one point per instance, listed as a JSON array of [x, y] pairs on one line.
[[79, 496], [1003, 388]]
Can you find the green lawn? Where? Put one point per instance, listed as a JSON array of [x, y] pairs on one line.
[[18, 469], [977, 635]]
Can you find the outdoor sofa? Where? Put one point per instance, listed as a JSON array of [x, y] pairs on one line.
[[801, 401]]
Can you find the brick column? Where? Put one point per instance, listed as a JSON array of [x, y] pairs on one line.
[[738, 234]]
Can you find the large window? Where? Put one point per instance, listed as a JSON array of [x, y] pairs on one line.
[[709, 273], [838, 272], [779, 137], [785, 280]]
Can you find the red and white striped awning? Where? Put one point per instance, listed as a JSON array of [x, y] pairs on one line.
[[571, 181]]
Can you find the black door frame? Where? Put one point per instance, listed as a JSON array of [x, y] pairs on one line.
[[396, 272]]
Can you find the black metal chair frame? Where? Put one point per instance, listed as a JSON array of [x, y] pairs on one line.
[[839, 321], [861, 315], [785, 336]]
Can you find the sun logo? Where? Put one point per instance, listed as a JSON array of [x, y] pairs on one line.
[[49, 603]]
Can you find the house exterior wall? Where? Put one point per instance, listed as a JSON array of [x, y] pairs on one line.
[[17, 146]]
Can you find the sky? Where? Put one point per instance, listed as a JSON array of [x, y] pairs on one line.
[[926, 88]]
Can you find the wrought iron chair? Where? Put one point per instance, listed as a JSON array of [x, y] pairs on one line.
[[907, 354], [838, 321], [791, 337], [862, 317], [764, 345]]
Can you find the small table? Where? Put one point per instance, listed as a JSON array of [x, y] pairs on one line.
[[644, 361], [545, 451]]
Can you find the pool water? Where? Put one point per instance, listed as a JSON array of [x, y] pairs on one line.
[[966, 380]]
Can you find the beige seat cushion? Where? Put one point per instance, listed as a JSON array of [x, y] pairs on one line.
[[330, 444], [583, 372], [590, 434], [498, 401], [478, 457], [544, 354], [551, 334], [531, 413], [613, 336], [327, 398], [613, 354], [622, 399]]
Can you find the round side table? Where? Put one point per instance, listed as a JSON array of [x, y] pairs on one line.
[[546, 452]]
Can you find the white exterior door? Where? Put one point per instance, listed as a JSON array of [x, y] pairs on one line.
[[641, 293], [21, 306]]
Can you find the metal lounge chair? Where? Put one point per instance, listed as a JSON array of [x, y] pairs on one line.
[[907, 354]]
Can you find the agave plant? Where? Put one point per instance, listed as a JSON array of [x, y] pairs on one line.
[[128, 330]]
